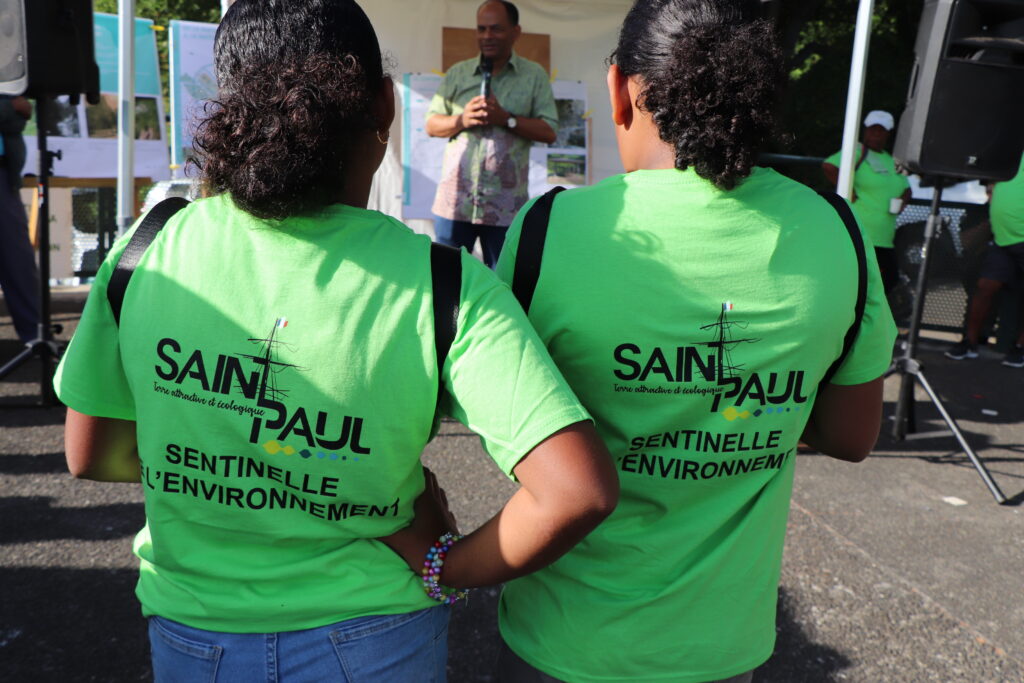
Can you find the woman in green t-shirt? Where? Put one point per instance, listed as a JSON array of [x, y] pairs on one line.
[[273, 381], [695, 304], [880, 192]]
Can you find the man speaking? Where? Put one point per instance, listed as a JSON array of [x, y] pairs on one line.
[[492, 108]]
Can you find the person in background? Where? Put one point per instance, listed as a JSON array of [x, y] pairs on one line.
[[694, 304], [484, 174], [1003, 267], [19, 275], [273, 381], [880, 192]]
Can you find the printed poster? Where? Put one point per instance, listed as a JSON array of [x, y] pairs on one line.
[[86, 134], [193, 83], [563, 162]]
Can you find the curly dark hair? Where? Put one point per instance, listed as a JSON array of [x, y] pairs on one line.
[[711, 71], [297, 82]]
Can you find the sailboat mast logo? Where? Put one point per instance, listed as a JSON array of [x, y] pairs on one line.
[[296, 422], [723, 343], [269, 393], [714, 364]]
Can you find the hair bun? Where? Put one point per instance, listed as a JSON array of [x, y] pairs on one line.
[[297, 85], [276, 141], [710, 77]]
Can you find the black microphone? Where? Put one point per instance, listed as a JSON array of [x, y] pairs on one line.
[[486, 67]]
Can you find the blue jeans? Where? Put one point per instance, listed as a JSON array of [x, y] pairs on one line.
[[394, 647], [465, 234]]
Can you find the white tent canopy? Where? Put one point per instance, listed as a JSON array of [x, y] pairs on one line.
[[583, 33]]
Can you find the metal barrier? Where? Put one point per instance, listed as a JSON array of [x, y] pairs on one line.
[[956, 259], [92, 218], [94, 224]]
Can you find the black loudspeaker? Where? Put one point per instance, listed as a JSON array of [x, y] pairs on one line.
[[47, 49], [13, 66], [965, 107]]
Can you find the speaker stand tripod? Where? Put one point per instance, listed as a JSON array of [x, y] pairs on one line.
[[43, 346], [910, 370]]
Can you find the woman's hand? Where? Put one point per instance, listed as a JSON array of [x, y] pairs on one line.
[[568, 486], [432, 519]]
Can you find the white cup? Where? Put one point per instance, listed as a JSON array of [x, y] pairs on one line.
[[895, 204]]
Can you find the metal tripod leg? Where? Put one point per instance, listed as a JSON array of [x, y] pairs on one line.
[[49, 353], [910, 369], [12, 364], [913, 368]]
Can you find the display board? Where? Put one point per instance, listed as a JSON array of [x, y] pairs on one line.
[[564, 162], [193, 83], [458, 44], [86, 134]]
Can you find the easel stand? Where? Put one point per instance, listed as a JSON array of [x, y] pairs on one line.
[[43, 346], [910, 368]]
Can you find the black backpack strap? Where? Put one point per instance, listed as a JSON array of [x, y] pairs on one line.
[[531, 248], [446, 279], [843, 209], [137, 245]]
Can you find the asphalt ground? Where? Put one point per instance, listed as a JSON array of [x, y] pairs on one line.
[[901, 568]]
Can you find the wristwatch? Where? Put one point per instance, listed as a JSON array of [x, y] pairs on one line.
[[511, 122]]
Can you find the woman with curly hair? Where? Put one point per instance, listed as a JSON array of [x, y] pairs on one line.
[[273, 380], [694, 303]]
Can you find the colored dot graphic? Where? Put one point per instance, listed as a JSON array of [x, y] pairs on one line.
[[274, 447], [732, 413]]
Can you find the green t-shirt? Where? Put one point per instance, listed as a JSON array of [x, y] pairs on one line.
[[694, 324], [875, 182], [1007, 210], [283, 379]]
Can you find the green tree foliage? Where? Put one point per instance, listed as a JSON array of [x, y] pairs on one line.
[[817, 36], [161, 12]]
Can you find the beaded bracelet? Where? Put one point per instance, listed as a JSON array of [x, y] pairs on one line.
[[432, 571]]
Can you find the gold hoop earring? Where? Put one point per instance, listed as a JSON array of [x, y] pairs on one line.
[[384, 140]]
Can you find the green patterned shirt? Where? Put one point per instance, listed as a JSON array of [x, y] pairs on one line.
[[485, 168]]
